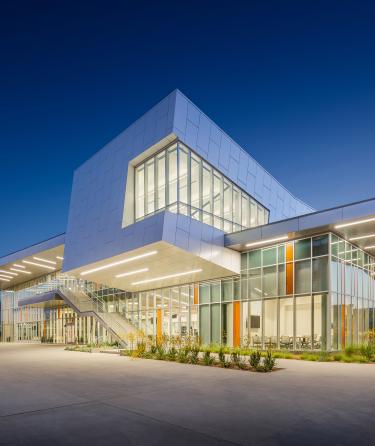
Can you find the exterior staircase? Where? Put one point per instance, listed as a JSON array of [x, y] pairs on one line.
[[80, 296]]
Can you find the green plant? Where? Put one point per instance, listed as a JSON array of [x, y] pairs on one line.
[[194, 354], [269, 362], [236, 358], [160, 353], [338, 357], [141, 349], [325, 357], [367, 350], [350, 350], [183, 355], [153, 349], [254, 359], [222, 359], [172, 354], [207, 358]]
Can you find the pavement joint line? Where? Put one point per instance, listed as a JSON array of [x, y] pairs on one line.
[[62, 406], [134, 412], [170, 423]]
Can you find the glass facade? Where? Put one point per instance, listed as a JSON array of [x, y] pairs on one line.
[[54, 321], [313, 293], [180, 181], [352, 293]]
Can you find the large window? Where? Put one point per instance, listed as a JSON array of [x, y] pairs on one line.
[[325, 289], [180, 181]]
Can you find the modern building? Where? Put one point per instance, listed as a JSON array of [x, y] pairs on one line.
[[175, 230]]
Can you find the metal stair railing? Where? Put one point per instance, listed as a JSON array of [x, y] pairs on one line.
[[84, 297]]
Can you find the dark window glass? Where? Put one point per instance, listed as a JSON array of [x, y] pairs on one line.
[[320, 274], [281, 254], [269, 256], [320, 245], [302, 277], [302, 249], [255, 258]]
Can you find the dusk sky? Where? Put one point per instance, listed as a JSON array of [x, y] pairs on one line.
[[292, 82]]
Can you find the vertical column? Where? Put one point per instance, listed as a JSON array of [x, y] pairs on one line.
[[236, 324], [159, 322]]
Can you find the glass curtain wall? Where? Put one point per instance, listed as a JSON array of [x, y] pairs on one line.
[[204, 310], [180, 181], [352, 298], [313, 293]]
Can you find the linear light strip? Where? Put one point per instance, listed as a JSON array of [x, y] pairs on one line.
[[120, 262], [369, 247], [359, 222], [361, 237], [130, 273], [8, 272], [6, 277], [20, 271], [59, 257], [44, 260], [18, 266], [169, 276], [29, 262], [4, 280], [264, 242]]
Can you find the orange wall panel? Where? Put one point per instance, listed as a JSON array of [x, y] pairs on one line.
[[289, 252], [289, 278], [159, 330], [196, 300], [236, 324]]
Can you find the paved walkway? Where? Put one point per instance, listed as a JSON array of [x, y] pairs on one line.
[[51, 396]]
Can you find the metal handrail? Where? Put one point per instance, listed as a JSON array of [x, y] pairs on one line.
[[91, 302]]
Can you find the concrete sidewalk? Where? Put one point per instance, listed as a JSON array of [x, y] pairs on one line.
[[52, 396]]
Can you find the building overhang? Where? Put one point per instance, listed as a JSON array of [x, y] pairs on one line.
[[164, 250], [354, 222], [32, 262]]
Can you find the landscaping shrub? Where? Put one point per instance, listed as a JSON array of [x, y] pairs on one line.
[[254, 359], [237, 359], [207, 358], [222, 360], [269, 362], [367, 350], [194, 354], [172, 354], [350, 350], [183, 355], [160, 353]]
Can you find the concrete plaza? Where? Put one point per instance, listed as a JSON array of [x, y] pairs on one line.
[[56, 397]]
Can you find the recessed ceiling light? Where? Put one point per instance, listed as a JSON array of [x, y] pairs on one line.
[[38, 264], [20, 270], [264, 242], [8, 272], [120, 262], [358, 222], [44, 260], [130, 273], [18, 266], [169, 276], [361, 237]]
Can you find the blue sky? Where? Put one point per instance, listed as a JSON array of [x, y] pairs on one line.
[[292, 82]]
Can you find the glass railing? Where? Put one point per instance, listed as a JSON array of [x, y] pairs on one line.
[[85, 296]]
